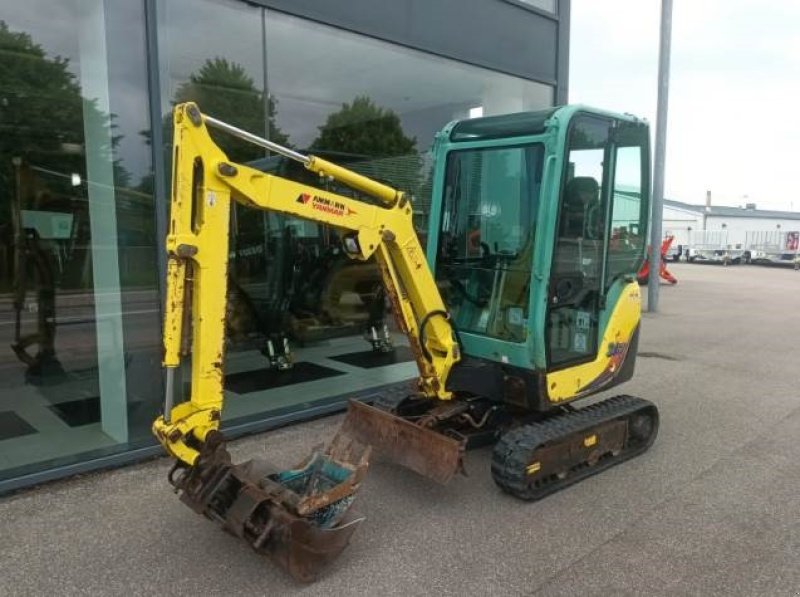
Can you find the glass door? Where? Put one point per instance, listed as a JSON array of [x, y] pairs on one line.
[[576, 277], [601, 231]]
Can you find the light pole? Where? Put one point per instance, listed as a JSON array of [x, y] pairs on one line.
[[660, 153]]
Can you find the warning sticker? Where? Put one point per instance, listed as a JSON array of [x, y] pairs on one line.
[[583, 320], [579, 342]]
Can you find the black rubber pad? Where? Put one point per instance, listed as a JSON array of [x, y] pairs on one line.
[[369, 359], [75, 413], [265, 379], [86, 411], [12, 425]]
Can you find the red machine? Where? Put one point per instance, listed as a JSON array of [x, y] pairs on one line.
[[663, 272]]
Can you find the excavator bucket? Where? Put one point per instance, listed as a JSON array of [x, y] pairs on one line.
[[299, 518], [422, 449]]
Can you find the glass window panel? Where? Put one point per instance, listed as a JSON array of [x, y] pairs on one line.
[[627, 214], [224, 74], [379, 100], [78, 247], [486, 241], [376, 107], [78, 293], [368, 105], [576, 274]]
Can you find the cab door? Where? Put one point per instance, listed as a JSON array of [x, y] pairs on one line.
[[576, 274], [600, 236]]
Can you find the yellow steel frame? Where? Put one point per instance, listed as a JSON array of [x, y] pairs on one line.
[[204, 182]]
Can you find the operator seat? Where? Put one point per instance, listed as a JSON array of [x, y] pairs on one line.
[[581, 208]]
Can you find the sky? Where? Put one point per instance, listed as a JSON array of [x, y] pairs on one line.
[[733, 126]]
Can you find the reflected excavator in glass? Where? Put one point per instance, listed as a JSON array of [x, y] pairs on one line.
[[291, 283], [524, 302], [39, 238]]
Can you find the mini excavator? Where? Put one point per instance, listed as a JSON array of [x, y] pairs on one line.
[[520, 306]]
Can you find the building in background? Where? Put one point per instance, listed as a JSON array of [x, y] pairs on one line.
[[743, 232], [86, 89]]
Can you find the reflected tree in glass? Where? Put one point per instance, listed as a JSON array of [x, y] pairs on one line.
[[364, 127], [224, 90], [375, 134], [43, 176], [371, 140], [43, 115], [42, 108]]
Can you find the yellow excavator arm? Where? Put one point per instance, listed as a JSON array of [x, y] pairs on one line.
[[204, 183]]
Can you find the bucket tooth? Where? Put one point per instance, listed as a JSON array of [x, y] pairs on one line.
[[423, 450]]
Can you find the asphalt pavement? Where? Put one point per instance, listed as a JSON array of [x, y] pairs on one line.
[[711, 509]]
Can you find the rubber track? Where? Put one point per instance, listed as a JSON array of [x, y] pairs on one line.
[[514, 452]]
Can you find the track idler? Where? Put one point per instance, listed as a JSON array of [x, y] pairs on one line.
[[299, 518]]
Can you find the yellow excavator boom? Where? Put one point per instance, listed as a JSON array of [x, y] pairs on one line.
[[204, 184]]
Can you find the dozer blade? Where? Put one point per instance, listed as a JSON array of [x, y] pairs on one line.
[[299, 518], [423, 450]]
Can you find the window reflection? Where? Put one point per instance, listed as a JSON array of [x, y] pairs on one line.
[[78, 300], [78, 246], [224, 74], [424, 92], [382, 105], [385, 103], [371, 106]]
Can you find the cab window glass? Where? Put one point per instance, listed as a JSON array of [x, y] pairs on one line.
[[628, 208], [485, 252], [577, 269]]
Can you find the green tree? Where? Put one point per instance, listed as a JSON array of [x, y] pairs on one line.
[[42, 118], [365, 129], [42, 109], [362, 127], [41, 101], [224, 90]]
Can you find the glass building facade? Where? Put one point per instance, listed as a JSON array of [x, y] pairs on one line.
[[86, 91]]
